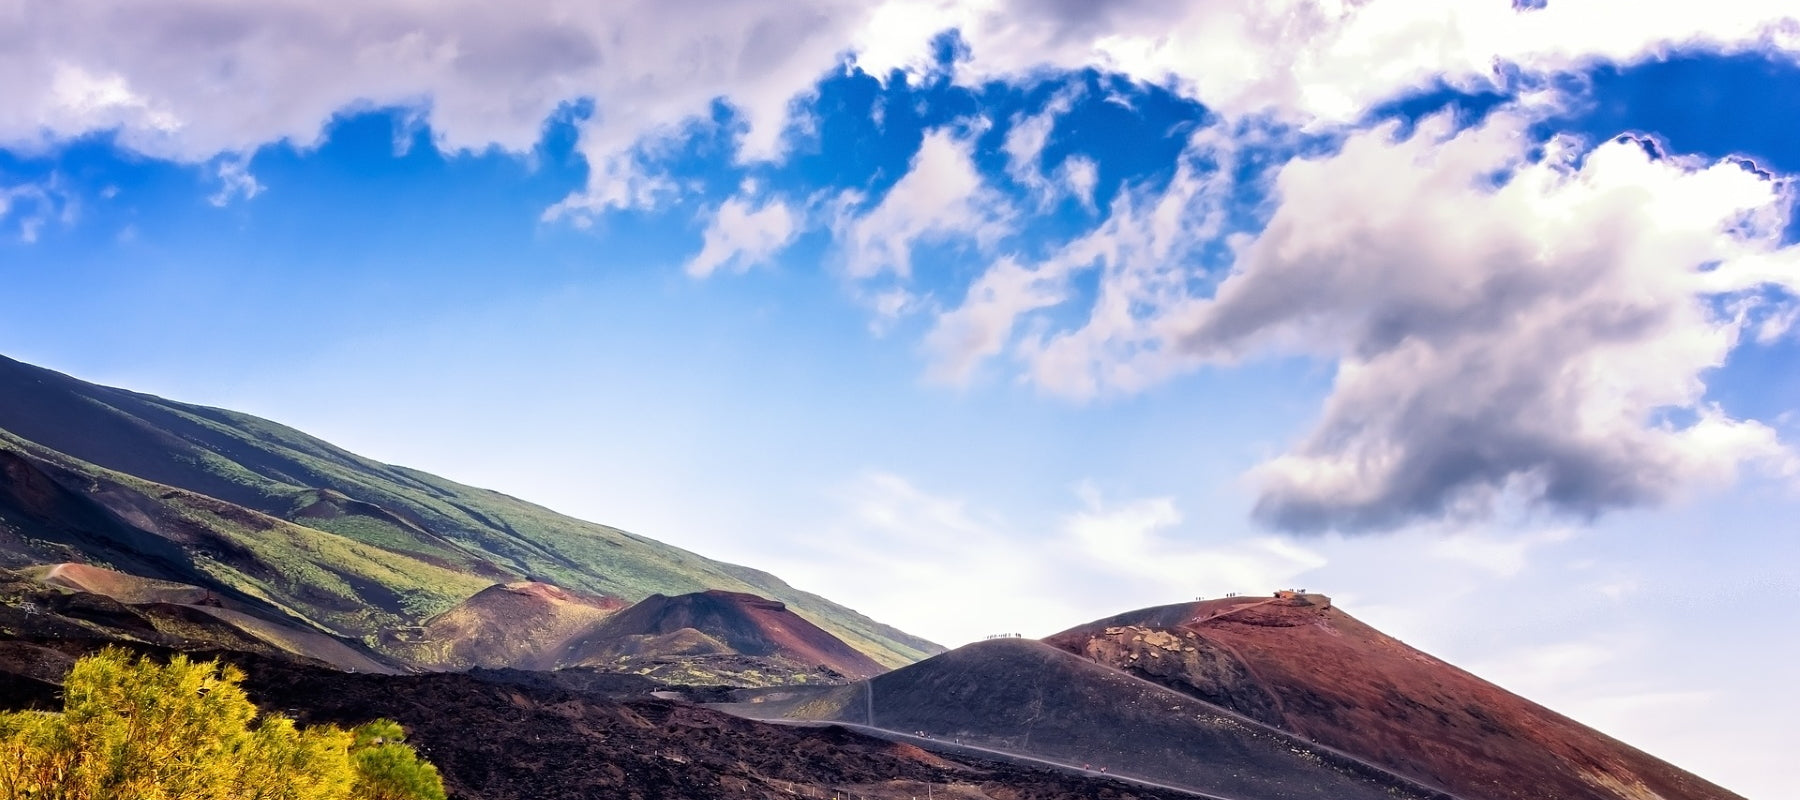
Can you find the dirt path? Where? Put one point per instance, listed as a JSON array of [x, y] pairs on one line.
[[941, 745], [1235, 609]]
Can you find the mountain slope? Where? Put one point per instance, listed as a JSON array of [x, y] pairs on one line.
[[1298, 663], [211, 497], [1025, 697]]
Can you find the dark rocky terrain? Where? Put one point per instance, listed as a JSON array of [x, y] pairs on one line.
[[1022, 696], [519, 735]]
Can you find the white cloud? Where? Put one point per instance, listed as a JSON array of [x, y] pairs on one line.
[[29, 206], [980, 328], [1133, 540], [1505, 331], [942, 197], [235, 181], [948, 571], [1146, 255], [1323, 60], [1522, 340], [740, 237], [1024, 145], [954, 571], [1079, 176], [191, 79]]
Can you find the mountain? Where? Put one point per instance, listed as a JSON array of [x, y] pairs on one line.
[[1025, 697], [1296, 662], [718, 623], [313, 536]]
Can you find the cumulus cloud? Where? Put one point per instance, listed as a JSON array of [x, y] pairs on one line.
[[1508, 332], [193, 79], [1502, 328], [190, 79], [1320, 60], [740, 237]]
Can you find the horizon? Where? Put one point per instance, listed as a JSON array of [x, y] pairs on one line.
[[997, 317]]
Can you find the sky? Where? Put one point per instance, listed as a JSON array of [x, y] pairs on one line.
[[987, 316]]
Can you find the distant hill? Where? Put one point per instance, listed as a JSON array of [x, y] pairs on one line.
[[1300, 664], [274, 519], [1022, 696], [716, 623], [522, 625]]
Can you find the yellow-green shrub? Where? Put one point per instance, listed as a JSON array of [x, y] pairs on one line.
[[134, 728]]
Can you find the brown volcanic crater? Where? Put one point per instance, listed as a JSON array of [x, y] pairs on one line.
[[742, 624], [1304, 666], [523, 624]]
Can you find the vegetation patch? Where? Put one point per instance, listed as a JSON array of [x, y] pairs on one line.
[[132, 727]]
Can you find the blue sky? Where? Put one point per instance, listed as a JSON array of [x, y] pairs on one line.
[[1002, 316]]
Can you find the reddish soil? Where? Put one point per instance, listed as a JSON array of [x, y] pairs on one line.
[[744, 623], [524, 625], [1022, 696], [1308, 668], [123, 587]]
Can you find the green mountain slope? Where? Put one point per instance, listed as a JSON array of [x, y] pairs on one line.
[[190, 493]]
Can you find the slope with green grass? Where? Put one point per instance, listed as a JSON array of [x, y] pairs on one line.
[[175, 491]]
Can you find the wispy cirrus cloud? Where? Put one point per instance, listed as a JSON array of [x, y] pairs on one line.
[[29, 206]]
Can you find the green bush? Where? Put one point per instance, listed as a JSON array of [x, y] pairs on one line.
[[133, 728]]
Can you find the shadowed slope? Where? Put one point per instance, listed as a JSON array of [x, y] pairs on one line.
[[1025, 697], [1301, 665]]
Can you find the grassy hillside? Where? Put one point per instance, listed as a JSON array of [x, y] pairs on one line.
[[348, 542]]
